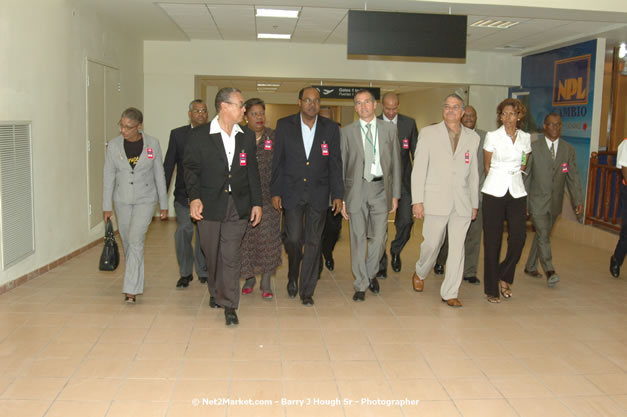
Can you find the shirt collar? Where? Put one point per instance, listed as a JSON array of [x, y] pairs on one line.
[[214, 127], [548, 141], [394, 120], [363, 123], [302, 123]]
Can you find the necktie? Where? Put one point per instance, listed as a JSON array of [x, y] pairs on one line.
[[553, 150], [368, 154]]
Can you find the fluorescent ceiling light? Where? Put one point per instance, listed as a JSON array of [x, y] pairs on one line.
[[267, 88], [268, 85], [274, 36], [494, 24], [293, 14]]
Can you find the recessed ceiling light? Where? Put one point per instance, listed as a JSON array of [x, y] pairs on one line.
[[268, 85], [494, 24], [292, 14], [274, 36]]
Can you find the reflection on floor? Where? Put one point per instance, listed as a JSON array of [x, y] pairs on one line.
[[69, 346]]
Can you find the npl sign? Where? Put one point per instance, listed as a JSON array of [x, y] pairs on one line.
[[572, 81]]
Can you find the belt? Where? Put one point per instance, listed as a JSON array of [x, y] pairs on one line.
[[377, 179]]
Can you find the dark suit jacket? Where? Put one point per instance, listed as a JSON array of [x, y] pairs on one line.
[[546, 178], [174, 156], [207, 174], [406, 130], [294, 177]]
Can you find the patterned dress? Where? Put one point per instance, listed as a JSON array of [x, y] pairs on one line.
[[261, 246]]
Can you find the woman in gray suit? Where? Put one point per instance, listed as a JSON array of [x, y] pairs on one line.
[[134, 181]]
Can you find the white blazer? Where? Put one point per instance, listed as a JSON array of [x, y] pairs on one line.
[[507, 158]]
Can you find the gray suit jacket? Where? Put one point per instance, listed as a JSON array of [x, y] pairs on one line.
[[444, 181], [546, 178], [352, 148], [143, 185]]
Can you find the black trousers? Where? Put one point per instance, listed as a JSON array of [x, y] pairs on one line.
[[496, 210], [303, 234], [403, 222], [621, 246], [331, 233]]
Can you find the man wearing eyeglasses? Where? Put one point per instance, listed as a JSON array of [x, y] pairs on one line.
[[551, 168], [445, 193], [222, 181], [306, 170], [186, 256]]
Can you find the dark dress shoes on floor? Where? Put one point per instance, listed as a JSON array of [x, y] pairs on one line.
[[330, 264], [292, 288], [230, 317], [438, 269], [552, 279], [396, 262], [472, 280], [374, 286], [359, 296], [307, 301], [183, 282], [383, 273], [212, 303], [533, 274], [614, 267], [203, 280]]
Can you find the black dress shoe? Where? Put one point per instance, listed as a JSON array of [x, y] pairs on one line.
[[383, 274], [230, 317], [438, 269], [374, 286], [292, 288], [472, 280], [203, 280], [212, 303], [359, 296], [330, 264], [396, 262], [614, 267], [308, 301], [183, 282]]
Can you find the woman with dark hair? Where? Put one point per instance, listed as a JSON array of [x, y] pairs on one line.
[[504, 198], [261, 247], [133, 182]]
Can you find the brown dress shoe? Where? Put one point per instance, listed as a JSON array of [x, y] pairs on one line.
[[453, 302], [418, 283]]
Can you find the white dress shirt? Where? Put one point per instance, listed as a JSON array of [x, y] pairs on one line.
[[507, 158], [394, 120], [308, 134], [376, 170], [621, 155], [227, 140], [556, 142]]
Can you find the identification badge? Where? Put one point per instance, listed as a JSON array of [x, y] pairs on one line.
[[242, 159], [405, 143], [467, 157], [325, 149], [565, 167], [267, 145], [524, 159], [149, 153]]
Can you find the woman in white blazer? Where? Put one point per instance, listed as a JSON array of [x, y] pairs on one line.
[[133, 181], [504, 198]]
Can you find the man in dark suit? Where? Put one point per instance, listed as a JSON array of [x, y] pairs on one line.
[[372, 180], [550, 169], [306, 167], [407, 138], [224, 189], [185, 254]]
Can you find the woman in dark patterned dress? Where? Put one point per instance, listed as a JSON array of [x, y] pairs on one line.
[[261, 247]]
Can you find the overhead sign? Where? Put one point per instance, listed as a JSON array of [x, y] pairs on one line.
[[330, 92], [571, 82]]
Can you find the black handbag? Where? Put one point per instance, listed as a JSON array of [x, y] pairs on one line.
[[110, 257]]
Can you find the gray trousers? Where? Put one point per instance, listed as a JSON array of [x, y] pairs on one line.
[[368, 233], [472, 247], [185, 255], [541, 246], [133, 222], [434, 230]]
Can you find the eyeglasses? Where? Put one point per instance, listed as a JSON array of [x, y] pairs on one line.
[[241, 104], [127, 127], [554, 124], [199, 111], [308, 101], [509, 113], [454, 107], [256, 114]]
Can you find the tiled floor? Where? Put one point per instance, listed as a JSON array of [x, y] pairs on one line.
[[70, 347]]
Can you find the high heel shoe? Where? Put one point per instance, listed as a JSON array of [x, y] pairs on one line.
[[506, 290]]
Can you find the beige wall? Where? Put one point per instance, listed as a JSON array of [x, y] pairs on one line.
[[42, 79]]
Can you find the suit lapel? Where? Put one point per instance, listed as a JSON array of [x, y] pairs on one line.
[[447, 140], [299, 135], [216, 139], [357, 141]]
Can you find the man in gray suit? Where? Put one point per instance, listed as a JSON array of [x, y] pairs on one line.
[[472, 244], [372, 188], [550, 169], [445, 192]]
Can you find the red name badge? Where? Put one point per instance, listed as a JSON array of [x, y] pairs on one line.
[[325, 149], [242, 159], [565, 167], [467, 157], [149, 153], [267, 145], [405, 143]]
